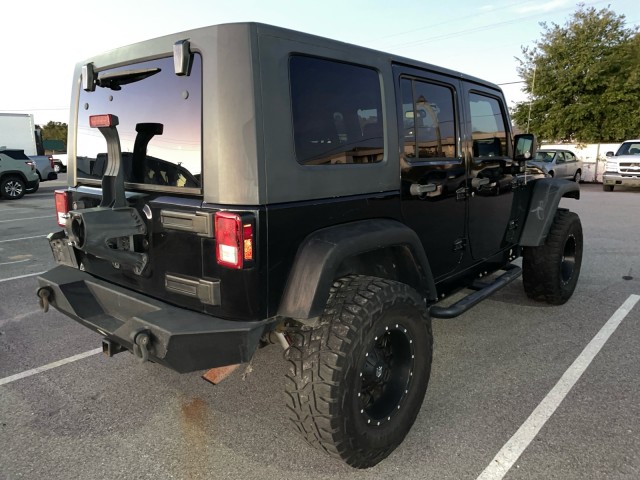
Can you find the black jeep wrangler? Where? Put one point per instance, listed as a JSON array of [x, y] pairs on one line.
[[238, 184]]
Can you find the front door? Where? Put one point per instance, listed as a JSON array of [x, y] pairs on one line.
[[491, 172], [432, 166]]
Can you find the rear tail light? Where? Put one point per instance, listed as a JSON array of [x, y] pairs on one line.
[[234, 240], [63, 205], [51, 161], [106, 120], [31, 164]]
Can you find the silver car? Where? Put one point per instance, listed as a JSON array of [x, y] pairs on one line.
[[558, 163]]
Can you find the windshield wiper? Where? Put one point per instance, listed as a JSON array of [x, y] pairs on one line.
[[115, 80]]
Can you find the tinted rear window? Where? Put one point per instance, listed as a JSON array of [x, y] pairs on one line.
[[337, 112], [15, 154], [163, 106]]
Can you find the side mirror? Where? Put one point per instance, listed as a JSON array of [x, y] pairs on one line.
[[524, 146], [609, 154]]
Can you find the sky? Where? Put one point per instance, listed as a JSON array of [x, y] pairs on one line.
[[43, 40]]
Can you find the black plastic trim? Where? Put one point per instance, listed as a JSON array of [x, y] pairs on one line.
[[547, 193], [321, 254]]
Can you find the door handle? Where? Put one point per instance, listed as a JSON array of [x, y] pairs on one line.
[[417, 189]]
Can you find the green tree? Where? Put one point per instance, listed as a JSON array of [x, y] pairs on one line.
[[583, 80], [55, 131]]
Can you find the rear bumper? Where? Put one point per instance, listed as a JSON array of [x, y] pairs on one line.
[[180, 339]]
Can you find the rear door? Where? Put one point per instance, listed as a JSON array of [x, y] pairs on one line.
[[160, 134], [432, 165]]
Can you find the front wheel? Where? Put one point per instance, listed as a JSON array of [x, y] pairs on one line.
[[577, 177], [550, 272], [357, 381], [607, 188]]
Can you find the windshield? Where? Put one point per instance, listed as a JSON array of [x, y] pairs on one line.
[[160, 125], [629, 148], [544, 157]]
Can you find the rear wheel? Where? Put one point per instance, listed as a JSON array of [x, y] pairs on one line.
[[550, 272], [12, 188], [607, 188], [357, 381]]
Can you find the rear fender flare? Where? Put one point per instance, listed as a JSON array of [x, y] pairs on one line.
[[321, 254]]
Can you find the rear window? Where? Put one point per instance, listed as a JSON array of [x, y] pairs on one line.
[[15, 154], [160, 126], [337, 112]]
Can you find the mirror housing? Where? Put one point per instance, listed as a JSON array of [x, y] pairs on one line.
[[524, 147], [609, 154]]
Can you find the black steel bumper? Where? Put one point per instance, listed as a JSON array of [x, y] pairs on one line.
[[180, 339]]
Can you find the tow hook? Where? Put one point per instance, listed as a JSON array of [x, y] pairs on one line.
[[44, 293], [141, 345]]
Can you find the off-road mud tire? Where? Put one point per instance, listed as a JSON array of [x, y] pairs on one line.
[[331, 403], [550, 272]]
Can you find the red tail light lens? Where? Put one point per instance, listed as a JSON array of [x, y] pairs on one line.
[[234, 240], [97, 121], [63, 205], [51, 161]]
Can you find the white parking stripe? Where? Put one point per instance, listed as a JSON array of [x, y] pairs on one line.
[[44, 368], [20, 276], [512, 450], [52, 217], [23, 238], [16, 261]]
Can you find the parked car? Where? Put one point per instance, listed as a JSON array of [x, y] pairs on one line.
[[44, 168], [623, 168], [329, 215], [17, 174], [559, 163]]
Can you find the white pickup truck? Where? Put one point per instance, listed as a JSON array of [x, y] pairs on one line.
[[60, 162], [623, 167]]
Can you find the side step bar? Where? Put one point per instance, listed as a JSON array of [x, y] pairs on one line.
[[511, 273]]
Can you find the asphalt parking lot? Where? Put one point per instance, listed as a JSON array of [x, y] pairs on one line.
[[507, 358]]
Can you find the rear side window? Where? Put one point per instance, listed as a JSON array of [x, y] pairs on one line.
[[15, 154], [337, 112], [488, 127]]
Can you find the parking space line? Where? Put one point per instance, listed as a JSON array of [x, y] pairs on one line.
[[16, 261], [44, 368], [52, 217], [512, 450], [23, 238], [20, 276]]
